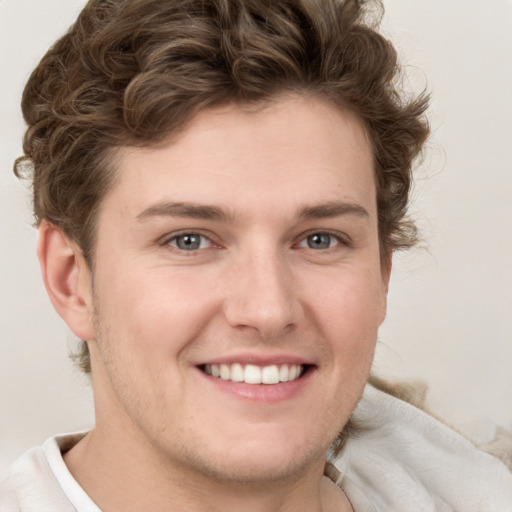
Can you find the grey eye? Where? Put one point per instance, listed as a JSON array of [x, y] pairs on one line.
[[319, 241], [189, 242]]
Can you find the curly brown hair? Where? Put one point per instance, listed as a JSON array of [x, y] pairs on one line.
[[133, 72]]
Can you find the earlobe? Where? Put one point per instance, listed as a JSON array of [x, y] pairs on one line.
[[67, 279], [386, 266]]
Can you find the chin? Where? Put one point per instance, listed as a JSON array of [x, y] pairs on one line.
[[259, 461], [254, 470]]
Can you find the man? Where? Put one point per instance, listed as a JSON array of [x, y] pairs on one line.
[[219, 188]]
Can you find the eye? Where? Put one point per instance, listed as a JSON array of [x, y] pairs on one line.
[[189, 242], [320, 241]]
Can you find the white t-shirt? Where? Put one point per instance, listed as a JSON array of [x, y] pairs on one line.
[[403, 461], [39, 481]]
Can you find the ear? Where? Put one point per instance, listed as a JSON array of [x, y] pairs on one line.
[[67, 279], [386, 265]]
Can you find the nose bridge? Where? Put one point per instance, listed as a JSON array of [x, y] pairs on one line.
[[261, 295]]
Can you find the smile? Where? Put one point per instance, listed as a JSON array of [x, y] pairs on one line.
[[252, 374]]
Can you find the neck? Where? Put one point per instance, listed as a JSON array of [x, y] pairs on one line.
[[118, 479]]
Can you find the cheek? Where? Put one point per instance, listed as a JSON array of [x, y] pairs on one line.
[[350, 312], [146, 308]]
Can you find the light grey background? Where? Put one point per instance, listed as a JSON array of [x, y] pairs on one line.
[[450, 308]]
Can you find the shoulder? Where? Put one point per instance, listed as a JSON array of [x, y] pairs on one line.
[[20, 482], [403, 456], [414, 392], [30, 484]]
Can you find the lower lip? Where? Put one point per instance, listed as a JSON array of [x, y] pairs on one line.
[[265, 393]]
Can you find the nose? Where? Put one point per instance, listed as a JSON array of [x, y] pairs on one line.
[[261, 296]]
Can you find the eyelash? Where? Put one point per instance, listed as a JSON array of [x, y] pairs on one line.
[[172, 241], [191, 234], [340, 239]]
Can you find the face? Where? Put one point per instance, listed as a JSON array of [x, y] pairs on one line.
[[238, 290]]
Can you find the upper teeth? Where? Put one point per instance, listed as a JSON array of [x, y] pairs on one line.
[[252, 374]]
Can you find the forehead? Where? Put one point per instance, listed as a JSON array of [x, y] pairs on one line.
[[295, 149]]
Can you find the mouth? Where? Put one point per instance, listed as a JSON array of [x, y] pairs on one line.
[[253, 374]]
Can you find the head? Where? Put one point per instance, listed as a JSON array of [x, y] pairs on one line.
[[136, 74]]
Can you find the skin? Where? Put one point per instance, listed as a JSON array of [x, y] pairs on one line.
[[256, 290]]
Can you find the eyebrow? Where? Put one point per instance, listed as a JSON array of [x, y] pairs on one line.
[[190, 210], [332, 209], [210, 212]]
